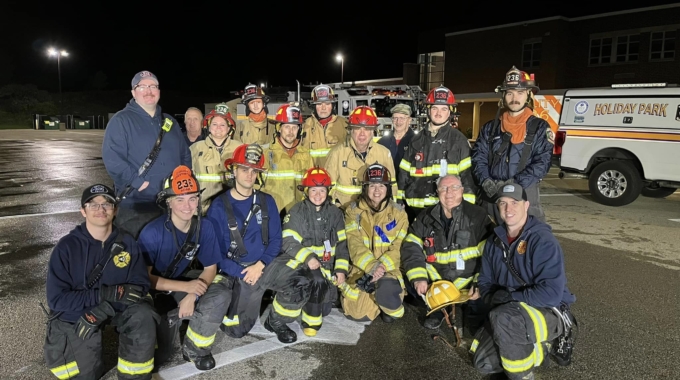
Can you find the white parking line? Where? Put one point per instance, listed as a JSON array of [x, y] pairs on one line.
[[563, 194], [674, 220], [38, 214]]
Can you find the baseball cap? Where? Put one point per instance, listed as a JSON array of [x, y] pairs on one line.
[[513, 191], [401, 108], [143, 75], [95, 191]]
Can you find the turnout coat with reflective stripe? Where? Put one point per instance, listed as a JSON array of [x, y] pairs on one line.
[[320, 140], [421, 166], [447, 252], [208, 166], [284, 174]]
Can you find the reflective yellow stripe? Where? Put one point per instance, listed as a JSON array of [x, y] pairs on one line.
[[200, 340], [326, 273], [474, 345], [311, 320], [414, 239], [366, 259], [349, 189], [515, 366], [281, 174], [434, 275], [342, 264], [537, 355], [389, 264], [421, 202], [131, 368], [461, 282], [396, 314], [416, 273], [283, 311], [209, 177], [342, 235], [435, 170], [348, 291], [399, 195], [217, 278], [319, 152], [293, 264], [401, 234], [293, 234], [66, 371], [470, 198], [230, 322], [466, 253], [351, 227], [404, 164], [302, 254]]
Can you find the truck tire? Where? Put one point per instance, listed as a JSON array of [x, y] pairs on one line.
[[615, 183], [657, 192]]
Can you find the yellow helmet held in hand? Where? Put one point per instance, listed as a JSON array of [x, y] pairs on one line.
[[443, 293]]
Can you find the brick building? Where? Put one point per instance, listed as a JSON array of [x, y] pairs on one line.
[[632, 46]]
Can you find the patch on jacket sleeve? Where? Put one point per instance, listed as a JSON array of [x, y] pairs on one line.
[[550, 135], [390, 226]]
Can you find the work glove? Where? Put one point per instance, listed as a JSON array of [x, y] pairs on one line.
[[365, 283], [127, 294], [500, 297], [89, 322], [490, 187]]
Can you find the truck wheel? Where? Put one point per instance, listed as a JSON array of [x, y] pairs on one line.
[[657, 192], [615, 183]]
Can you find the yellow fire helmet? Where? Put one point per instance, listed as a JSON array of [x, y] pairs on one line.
[[443, 293]]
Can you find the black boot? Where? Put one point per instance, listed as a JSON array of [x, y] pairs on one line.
[[202, 363], [434, 320], [561, 350], [386, 318], [285, 334]]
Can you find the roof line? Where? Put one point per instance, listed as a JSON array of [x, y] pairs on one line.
[[553, 18]]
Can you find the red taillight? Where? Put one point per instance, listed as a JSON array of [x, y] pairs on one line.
[[559, 141]]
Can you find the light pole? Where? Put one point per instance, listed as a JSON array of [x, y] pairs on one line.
[[341, 59], [58, 53]]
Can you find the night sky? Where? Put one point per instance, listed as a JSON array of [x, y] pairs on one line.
[[215, 48]]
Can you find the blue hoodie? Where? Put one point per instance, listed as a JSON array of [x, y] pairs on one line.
[[541, 266], [130, 135], [73, 259], [253, 236]]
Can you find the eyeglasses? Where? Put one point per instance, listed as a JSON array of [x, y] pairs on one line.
[[453, 188], [144, 87], [96, 206], [400, 118]]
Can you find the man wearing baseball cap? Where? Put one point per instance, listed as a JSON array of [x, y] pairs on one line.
[[141, 147], [523, 280], [401, 133], [97, 276]]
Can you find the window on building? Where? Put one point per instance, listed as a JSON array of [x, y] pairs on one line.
[[531, 53], [600, 51], [627, 48], [662, 45], [614, 49], [431, 70]]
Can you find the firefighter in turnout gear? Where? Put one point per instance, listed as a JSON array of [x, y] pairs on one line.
[[523, 280], [314, 237], [249, 223], [96, 276], [515, 147], [324, 129], [172, 246], [347, 162], [256, 128], [286, 160], [445, 242], [435, 152], [375, 227], [208, 156]]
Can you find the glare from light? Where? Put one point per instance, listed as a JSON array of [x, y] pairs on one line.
[[64, 53], [338, 57], [262, 85], [51, 51]]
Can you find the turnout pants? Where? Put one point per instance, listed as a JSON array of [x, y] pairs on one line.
[[203, 325], [515, 339], [388, 297], [533, 196], [292, 288], [322, 295], [69, 357], [132, 217]]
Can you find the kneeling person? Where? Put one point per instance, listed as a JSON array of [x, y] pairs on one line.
[[170, 244], [85, 291], [250, 228], [375, 227], [314, 237]]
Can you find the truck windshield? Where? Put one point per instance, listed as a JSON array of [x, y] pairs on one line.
[[383, 106]]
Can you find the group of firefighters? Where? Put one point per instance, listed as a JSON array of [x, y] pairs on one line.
[[320, 213]]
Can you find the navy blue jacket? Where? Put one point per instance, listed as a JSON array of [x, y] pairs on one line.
[[253, 236], [397, 151], [129, 137], [159, 248], [73, 259], [200, 137], [541, 266], [538, 163]]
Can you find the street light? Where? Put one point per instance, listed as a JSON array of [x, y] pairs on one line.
[[58, 53], [341, 59]]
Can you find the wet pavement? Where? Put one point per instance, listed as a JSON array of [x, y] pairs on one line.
[[622, 264]]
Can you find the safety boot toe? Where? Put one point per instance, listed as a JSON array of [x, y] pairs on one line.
[[203, 363], [282, 331]]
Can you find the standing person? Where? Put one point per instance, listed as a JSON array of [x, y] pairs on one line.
[[375, 228], [286, 160], [250, 228], [325, 128], [256, 128], [182, 289], [524, 282], [401, 135], [435, 152], [314, 238], [208, 156], [141, 148], [515, 148], [192, 122], [96, 276]]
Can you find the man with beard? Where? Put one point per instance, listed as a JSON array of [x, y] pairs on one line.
[[286, 160], [437, 151], [324, 129], [192, 123], [257, 128], [515, 148]]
